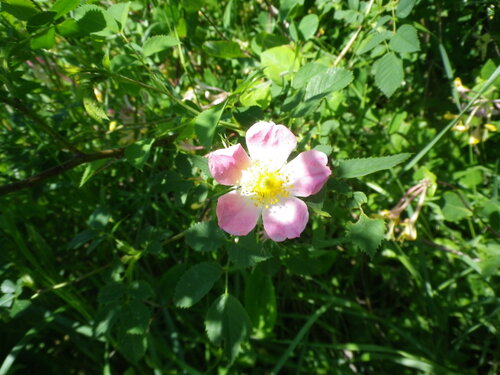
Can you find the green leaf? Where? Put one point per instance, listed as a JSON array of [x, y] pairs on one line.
[[119, 12], [454, 208], [352, 168], [246, 252], [82, 238], [112, 293], [94, 19], [258, 94], [205, 236], [201, 163], [308, 26], [206, 122], [158, 43], [8, 287], [404, 8], [44, 40], [279, 63], [134, 317], [372, 41], [90, 171], [405, 40], [358, 199], [366, 234], [137, 153], [40, 20], [307, 72], [62, 7], [324, 83], [227, 322], [68, 27], [223, 48], [21, 9], [247, 116], [133, 347], [260, 303], [195, 283], [192, 6], [389, 73], [93, 108], [88, 20]]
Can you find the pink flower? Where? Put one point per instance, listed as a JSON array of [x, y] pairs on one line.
[[265, 184]]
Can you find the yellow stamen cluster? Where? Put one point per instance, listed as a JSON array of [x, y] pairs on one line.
[[264, 185]]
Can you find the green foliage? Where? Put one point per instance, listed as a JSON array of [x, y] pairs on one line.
[[247, 252], [224, 49], [260, 303], [227, 322], [137, 154], [366, 234], [158, 43], [205, 236], [455, 208], [389, 73], [405, 40], [361, 167], [112, 259], [195, 283], [205, 124]]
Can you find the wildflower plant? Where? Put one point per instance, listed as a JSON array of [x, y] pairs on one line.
[[249, 187], [265, 184]]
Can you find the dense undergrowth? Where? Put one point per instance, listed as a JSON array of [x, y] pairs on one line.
[[112, 261]]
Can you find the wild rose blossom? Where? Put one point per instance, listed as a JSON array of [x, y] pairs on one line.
[[265, 185]]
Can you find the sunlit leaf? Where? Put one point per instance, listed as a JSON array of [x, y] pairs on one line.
[[195, 283], [389, 73], [223, 48], [158, 43], [326, 82], [205, 236], [227, 322], [137, 153], [352, 168], [366, 234], [455, 208], [405, 40]]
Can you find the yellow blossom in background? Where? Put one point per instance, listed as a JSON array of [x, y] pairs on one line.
[[460, 127], [491, 127]]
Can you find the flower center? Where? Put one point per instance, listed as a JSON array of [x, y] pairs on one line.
[[265, 187]]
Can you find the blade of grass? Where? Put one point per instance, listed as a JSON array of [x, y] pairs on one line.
[[298, 338], [431, 144]]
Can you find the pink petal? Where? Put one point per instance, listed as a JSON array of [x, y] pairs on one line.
[[308, 172], [237, 214], [226, 164], [270, 142], [286, 219]]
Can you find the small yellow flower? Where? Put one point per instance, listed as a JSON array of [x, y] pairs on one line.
[[450, 116], [98, 94], [458, 85], [409, 232], [473, 140], [460, 127], [491, 127], [112, 126]]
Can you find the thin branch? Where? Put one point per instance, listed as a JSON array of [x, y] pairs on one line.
[[77, 160], [447, 250], [353, 38]]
